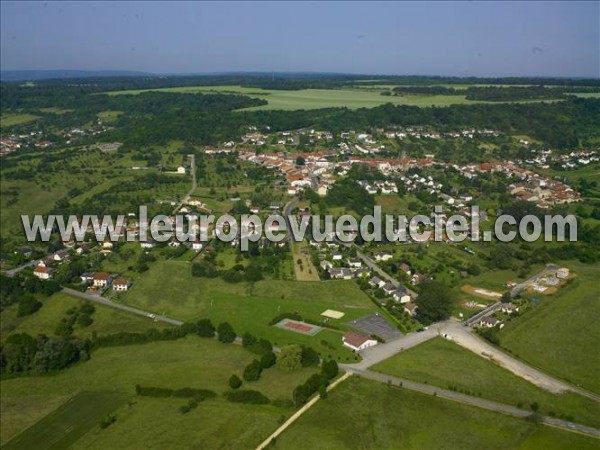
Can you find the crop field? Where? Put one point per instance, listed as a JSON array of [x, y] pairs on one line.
[[290, 100], [190, 362], [62, 427], [442, 363], [546, 335], [365, 414], [250, 307], [8, 120]]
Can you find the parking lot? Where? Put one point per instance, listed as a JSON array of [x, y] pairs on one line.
[[376, 324]]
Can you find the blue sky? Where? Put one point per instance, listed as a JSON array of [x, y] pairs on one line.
[[439, 38]]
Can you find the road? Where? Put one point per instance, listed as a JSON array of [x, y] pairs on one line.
[[129, 309], [549, 269], [473, 320], [471, 400], [187, 196], [16, 270], [287, 211]]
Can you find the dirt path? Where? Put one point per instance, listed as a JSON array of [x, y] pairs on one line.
[[301, 411]]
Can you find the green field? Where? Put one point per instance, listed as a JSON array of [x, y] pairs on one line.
[[362, 414], [9, 120], [250, 307], [561, 334], [442, 363], [317, 98], [62, 427], [190, 362]]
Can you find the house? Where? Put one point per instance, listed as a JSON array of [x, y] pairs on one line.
[[197, 245], [43, 272], [376, 282], [383, 256], [354, 262], [325, 265], [410, 308], [389, 288], [121, 284], [86, 277], [148, 244], [401, 295], [509, 308], [340, 273], [405, 268], [489, 322], [357, 342], [336, 256], [181, 170], [102, 279], [362, 272], [562, 273], [61, 255]]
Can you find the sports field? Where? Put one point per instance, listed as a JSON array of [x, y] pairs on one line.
[[361, 414]]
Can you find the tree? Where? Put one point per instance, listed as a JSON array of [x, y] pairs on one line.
[[268, 360], [506, 297], [206, 328], [226, 333], [309, 357], [234, 381], [252, 371], [473, 269], [434, 302], [330, 369], [248, 340], [28, 304], [300, 161], [290, 358]]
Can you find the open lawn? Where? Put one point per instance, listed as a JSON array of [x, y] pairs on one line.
[[305, 271], [190, 362], [442, 363], [316, 98], [560, 334], [361, 414], [250, 306]]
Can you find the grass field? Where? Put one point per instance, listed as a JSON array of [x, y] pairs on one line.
[[190, 362], [250, 307], [306, 271], [62, 427], [561, 334], [442, 363], [316, 98], [9, 120], [361, 414]]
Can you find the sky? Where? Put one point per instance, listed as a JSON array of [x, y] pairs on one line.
[[484, 38]]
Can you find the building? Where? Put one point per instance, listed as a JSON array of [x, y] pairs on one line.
[[181, 170], [488, 322], [410, 308], [376, 282], [509, 308], [562, 273], [43, 272], [357, 342], [121, 284], [383, 256], [102, 279], [340, 273]]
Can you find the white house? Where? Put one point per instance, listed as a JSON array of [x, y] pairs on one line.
[[410, 308], [509, 308], [489, 322], [325, 265], [121, 284], [383, 256], [562, 273], [357, 342], [102, 279], [336, 256], [43, 272], [181, 170]]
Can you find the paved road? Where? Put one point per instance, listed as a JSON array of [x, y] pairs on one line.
[[471, 400], [129, 309], [549, 269], [473, 320], [16, 270]]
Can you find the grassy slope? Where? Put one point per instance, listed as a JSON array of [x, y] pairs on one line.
[[445, 364], [365, 414], [561, 335], [190, 362], [250, 307], [8, 120]]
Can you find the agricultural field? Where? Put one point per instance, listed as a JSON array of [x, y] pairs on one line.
[[249, 307], [190, 362], [9, 120], [367, 414], [546, 335], [442, 363], [316, 98]]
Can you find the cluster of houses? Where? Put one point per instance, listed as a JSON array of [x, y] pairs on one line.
[[492, 321], [398, 293], [104, 280], [379, 186], [572, 160], [45, 268]]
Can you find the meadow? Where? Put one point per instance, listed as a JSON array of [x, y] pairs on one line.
[[362, 414], [249, 307], [190, 362], [560, 335], [442, 363], [9, 120]]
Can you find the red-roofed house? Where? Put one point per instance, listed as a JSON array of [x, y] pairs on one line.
[[121, 284], [43, 272], [357, 342], [102, 279]]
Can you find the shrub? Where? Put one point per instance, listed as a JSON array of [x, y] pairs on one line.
[[205, 328], [252, 371], [268, 360], [234, 382], [226, 333], [252, 397]]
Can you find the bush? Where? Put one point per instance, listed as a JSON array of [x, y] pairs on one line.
[[28, 305], [205, 328], [252, 371], [107, 421], [84, 320], [309, 357], [151, 391], [226, 333], [268, 360], [251, 397], [330, 369], [234, 382]]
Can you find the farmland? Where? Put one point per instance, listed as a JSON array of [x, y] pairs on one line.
[[546, 335], [316, 98], [366, 414], [445, 364], [9, 120], [190, 362]]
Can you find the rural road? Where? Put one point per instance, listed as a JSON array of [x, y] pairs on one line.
[[471, 400], [550, 268], [16, 270], [129, 309], [187, 196]]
